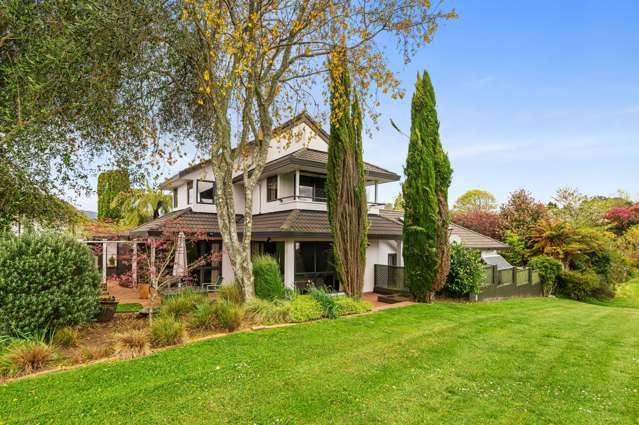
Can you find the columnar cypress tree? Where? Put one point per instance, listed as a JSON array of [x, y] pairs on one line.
[[345, 181], [425, 191], [443, 177], [110, 183]]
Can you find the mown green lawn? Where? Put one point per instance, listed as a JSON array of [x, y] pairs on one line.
[[521, 361], [627, 296]]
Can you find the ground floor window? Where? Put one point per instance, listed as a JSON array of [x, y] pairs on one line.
[[314, 264], [211, 270]]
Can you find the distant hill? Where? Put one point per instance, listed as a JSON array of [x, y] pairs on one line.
[[91, 214]]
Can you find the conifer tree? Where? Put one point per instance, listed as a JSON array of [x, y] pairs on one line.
[[110, 184], [345, 181], [425, 191]]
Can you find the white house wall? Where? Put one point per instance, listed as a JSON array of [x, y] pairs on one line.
[[302, 136], [377, 253]]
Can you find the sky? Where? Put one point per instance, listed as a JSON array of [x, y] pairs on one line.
[[532, 94]]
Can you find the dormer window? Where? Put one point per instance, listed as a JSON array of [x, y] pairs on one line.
[[271, 189], [205, 192]]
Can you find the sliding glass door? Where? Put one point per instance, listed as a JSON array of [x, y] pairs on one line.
[[314, 265]]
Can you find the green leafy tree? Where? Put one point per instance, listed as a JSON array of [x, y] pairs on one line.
[[75, 88], [139, 206], [25, 203], [475, 200], [518, 253], [345, 182], [420, 196], [110, 184], [398, 202], [520, 213]]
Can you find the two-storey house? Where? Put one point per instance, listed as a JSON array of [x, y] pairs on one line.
[[290, 220]]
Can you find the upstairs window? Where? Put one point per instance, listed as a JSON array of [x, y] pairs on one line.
[[175, 200], [205, 192], [313, 187], [189, 193], [271, 189]]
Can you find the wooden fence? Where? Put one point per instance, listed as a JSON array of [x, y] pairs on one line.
[[509, 283], [504, 283]]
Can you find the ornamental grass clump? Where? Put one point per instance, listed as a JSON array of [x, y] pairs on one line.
[[228, 315], [204, 317], [268, 312], [47, 281], [24, 356], [66, 337], [182, 304], [134, 343], [167, 331], [231, 293]]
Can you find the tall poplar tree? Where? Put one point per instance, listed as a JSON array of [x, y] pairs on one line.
[[425, 191], [345, 181]]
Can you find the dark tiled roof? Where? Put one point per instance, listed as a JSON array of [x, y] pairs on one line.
[[303, 117], [469, 238], [472, 239], [311, 158], [304, 156], [293, 223]]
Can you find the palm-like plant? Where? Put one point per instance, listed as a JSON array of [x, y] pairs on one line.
[[557, 239], [139, 206]]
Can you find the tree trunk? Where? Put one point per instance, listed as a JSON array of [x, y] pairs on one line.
[[223, 166]]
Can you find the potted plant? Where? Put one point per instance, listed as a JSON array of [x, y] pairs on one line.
[[144, 290], [106, 309]]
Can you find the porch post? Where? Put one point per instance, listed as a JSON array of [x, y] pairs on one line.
[[289, 264], [134, 263], [152, 263], [104, 262], [376, 191]]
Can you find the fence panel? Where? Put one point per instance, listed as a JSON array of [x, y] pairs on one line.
[[489, 275], [390, 278], [522, 275], [505, 276], [535, 279], [512, 282]]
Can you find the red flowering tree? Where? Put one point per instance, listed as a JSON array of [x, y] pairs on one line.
[[484, 222], [622, 218]]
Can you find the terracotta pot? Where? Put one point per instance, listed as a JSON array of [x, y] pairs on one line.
[[144, 290]]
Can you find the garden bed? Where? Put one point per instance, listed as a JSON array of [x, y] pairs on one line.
[[182, 318]]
